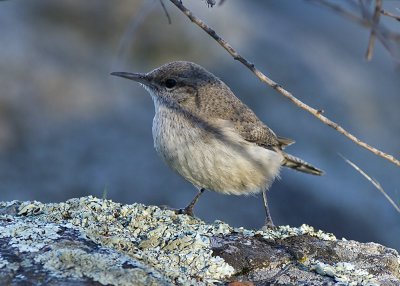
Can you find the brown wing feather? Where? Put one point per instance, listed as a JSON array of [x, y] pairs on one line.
[[284, 142], [221, 103]]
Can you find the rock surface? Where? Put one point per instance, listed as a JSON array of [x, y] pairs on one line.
[[90, 241]]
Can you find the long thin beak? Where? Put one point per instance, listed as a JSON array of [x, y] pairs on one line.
[[138, 77]]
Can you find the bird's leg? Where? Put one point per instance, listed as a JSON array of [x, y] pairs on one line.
[[268, 219], [189, 209]]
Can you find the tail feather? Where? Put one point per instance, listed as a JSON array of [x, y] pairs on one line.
[[300, 165]]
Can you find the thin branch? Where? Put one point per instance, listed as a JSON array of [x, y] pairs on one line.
[[389, 39], [388, 14], [279, 88], [344, 13], [373, 182], [363, 21], [166, 12], [375, 22]]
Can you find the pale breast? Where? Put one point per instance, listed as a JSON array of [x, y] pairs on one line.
[[222, 162]]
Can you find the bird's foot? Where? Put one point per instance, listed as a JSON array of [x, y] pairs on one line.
[[187, 211], [269, 224]]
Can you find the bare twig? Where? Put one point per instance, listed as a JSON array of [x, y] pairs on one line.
[[373, 182], [390, 40], [279, 88], [344, 13], [166, 12], [363, 21], [388, 14], [375, 21]]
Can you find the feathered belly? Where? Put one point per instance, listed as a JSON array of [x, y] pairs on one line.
[[221, 162]]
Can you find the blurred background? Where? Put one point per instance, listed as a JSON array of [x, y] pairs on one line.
[[69, 129]]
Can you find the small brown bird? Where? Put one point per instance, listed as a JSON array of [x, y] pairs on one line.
[[211, 138]]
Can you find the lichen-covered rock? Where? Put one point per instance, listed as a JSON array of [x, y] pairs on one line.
[[90, 241], [35, 250]]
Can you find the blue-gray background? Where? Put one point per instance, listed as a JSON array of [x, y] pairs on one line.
[[68, 129]]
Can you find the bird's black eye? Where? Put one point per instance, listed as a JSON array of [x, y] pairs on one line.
[[170, 83]]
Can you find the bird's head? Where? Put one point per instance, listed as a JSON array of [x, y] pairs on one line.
[[174, 82]]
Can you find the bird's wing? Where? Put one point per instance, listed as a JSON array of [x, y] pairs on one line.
[[253, 130], [223, 104], [219, 102]]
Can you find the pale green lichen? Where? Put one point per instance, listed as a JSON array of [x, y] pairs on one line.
[[285, 231], [66, 262], [64, 257], [8, 204], [344, 273], [29, 236], [176, 245], [30, 208]]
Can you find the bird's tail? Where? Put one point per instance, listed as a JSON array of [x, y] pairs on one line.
[[300, 165]]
